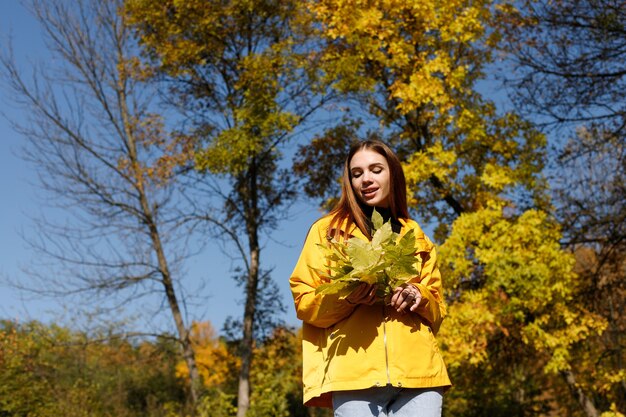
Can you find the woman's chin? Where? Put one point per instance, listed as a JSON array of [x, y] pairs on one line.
[[376, 204]]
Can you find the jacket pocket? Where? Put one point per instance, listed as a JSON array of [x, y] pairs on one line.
[[425, 331]]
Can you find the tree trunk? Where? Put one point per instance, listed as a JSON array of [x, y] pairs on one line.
[[174, 305], [183, 331], [157, 246], [247, 342], [585, 402]]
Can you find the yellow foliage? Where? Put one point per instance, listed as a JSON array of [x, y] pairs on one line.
[[613, 412], [465, 337], [513, 268], [415, 64], [433, 161], [497, 177], [213, 359], [276, 373], [409, 39]]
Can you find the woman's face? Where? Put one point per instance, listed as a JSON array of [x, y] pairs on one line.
[[370, 178]]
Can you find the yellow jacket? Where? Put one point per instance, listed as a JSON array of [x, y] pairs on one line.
[[348, 347]]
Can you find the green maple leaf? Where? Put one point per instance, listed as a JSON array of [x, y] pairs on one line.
[[342, 288], [377, 220], [383, 236], [402, 255], [362, 256]]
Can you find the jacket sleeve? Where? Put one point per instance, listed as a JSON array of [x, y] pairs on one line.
[[320, 310], [432, 307]]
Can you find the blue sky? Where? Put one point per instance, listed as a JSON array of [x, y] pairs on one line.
[[15, 189], [19, 202]]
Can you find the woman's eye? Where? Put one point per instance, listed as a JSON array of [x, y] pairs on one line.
[[356, 174], [377, 170]]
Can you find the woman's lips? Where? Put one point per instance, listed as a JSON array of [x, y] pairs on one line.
[[369, 192]]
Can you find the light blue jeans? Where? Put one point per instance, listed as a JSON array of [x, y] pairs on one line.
[[389, 401]]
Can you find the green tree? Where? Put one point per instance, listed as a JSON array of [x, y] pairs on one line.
[[241, 73]]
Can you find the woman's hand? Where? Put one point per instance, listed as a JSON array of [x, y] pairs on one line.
[[406, 296], [363, 294]]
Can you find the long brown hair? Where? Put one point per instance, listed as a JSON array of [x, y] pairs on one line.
[[350, 209]]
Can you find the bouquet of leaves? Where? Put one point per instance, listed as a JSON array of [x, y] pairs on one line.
[[387, 261]]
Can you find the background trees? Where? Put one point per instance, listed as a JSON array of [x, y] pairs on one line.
[[474, 170], [527, 204], [51, 371], [570, 73], [103, 158], [243, 78]]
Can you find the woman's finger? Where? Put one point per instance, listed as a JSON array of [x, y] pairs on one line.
[[396, 296], [406, 296]]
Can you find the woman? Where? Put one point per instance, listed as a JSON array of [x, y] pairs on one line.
[[361, 355]]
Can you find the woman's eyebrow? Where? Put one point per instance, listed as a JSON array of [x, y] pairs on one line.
[[375, 164]]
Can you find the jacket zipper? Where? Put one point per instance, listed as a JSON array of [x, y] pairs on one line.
[[385, 344]]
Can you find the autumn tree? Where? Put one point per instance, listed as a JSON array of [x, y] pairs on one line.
[[104, 160], [218, 364], [412, 71], [569, 70], [244, 80], [48, 370], [275, 374], [213, 358]]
